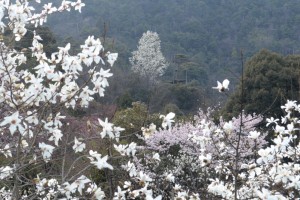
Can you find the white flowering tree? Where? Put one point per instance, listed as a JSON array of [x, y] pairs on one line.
[[148, 60], [32, 130], [40, 155]]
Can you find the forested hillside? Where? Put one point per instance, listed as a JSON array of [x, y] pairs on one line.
[[201, 40], [210, 32]]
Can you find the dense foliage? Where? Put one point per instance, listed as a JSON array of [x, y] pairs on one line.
[[270, 79], [210, 32], [208, 35]]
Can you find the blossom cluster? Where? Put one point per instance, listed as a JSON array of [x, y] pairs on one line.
[[229, 160], [31, 126], [42, 160], [191, 151]]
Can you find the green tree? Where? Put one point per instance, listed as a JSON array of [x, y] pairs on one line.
[[49, 43], [187, 96], [49, 40], [133, 119], [269, 80]]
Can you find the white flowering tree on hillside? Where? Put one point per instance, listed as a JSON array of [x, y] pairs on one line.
[[148, 60]]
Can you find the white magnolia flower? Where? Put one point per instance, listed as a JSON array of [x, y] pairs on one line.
[[99, 194], [271, 121], [80, 183], [130, 167], [254, 171], [111, 58], [119, 195], [265, 194], [49, 9], [107, 128], [64, 50], [282, 142], [290, 128], [265, 155], [117, 131], [69, 189], [78, 5], [86, 97], [194, 196], [121, 148], [254, 134], [149, 194], [222, 86], [294, 182], [228, 127], [6, 151], [218, 188], [127, 184], [32, 118], [177, 187], [289, 106], [205, 160], [99, 162], [279, 129], [144, 178], [134, 194], [131, 149], [156, 157], [47, 151], [181, 195], [5, 172], [56, 136], [147, 132], [24, 144], [167, 120], [78, 146], [14, 123], [170, 178], [284, 119]]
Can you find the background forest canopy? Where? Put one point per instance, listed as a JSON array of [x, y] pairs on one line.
[[201, 40]]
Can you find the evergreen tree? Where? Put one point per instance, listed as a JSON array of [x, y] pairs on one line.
[[270, 79]]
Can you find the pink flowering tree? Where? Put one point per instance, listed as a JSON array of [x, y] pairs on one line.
[[274, 174], [199, 158], [194, 152]]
